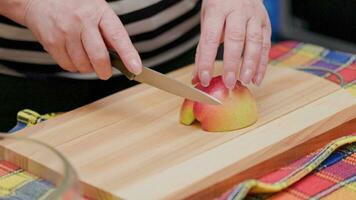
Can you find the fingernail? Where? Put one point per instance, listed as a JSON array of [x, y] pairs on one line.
[[230, 80], [136, 66], [259, 79], [205, 78], [246, 76]]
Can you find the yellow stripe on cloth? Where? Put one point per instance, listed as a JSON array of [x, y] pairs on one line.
[[13, 181], [351, 89]]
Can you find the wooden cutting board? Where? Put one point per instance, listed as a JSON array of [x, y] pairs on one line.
[[130, 145]]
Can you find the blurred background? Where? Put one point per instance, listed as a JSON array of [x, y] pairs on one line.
[[329, 23]]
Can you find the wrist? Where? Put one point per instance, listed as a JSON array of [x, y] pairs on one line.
[[14, 9]]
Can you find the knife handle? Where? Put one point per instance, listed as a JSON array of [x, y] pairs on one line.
[[118, 64]]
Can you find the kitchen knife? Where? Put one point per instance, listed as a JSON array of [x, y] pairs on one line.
[[163, 82]]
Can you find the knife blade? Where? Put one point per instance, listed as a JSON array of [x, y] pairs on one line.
[[163, 82]]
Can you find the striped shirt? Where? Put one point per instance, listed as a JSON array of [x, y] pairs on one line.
[[159, 29]]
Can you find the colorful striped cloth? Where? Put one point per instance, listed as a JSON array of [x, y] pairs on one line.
[[336, 66], [334, 178], [329, 173], [17, 184]]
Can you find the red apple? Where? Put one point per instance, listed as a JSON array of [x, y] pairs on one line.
[[238, 109]]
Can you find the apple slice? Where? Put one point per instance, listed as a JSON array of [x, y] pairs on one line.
[[186, 113], [238, 109]]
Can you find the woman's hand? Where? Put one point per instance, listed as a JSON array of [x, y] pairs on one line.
[[244, 27], [76, 33]]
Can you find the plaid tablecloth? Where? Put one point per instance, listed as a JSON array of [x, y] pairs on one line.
[[333, 178], [335, 66], [329, 173], [16, 184]]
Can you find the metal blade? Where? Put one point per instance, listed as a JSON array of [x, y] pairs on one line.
[[163, 82], [173, 86]]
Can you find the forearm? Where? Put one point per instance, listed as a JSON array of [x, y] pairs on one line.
[[14, 9]]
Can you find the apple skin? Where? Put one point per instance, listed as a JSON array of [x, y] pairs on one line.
[[238, 109], [186, 112]]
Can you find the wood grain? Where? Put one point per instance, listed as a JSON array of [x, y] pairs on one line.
[[275, 162], [131, 146]]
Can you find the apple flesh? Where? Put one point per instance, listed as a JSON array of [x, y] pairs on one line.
[[238, 109]]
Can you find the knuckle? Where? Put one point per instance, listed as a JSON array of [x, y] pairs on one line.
[[212, 36], [80, 15], [236, 35], [255, 37], [64, 29], [91, 15], [63, 25], [117, 35], [51, 42]]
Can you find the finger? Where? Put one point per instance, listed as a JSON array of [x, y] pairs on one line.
[[96, 50], [57, 49], [266, 45], [115, 34], [195, 77], [212, 28], [77, 53], [65, 61], [233, 46], [252, 51]]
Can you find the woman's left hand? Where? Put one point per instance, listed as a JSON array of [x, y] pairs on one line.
[[244, 28]]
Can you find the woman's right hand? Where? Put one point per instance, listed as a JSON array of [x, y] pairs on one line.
[[76, 34]]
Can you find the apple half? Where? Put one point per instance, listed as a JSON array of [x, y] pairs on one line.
[[238, 109]]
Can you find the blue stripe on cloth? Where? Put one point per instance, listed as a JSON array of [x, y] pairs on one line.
[[19, 126], [332, 159], [31, 191], [338, 57]]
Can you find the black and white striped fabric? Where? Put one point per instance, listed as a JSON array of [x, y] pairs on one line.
[[159, 29]]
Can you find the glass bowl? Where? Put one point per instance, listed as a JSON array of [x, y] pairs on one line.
[[37, 159]]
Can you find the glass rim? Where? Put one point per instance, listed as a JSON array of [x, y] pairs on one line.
[[69, 174]]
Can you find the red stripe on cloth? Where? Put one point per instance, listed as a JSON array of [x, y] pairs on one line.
[[7, 167], [312, 185]]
